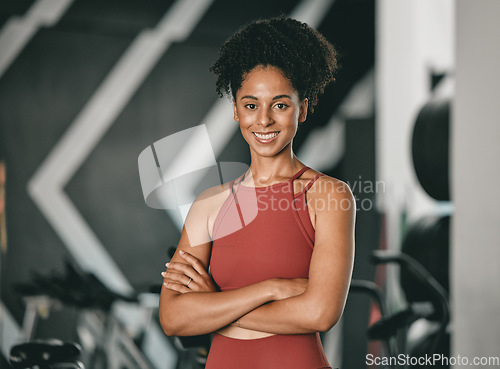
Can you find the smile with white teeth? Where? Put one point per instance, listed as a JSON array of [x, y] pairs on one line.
[[267, 136]]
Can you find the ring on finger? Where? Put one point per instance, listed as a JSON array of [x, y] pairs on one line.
[[190, 279]]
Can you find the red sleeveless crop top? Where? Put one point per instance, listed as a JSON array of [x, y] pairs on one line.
[[262, 233]]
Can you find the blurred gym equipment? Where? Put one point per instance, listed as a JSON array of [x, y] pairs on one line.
[[46, 354], [106, 342], [430, 148], [422, 326]]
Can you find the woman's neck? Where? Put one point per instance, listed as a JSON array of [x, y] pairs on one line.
[[267, 170]]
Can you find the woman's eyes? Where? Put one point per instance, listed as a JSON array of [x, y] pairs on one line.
[[279, 106]]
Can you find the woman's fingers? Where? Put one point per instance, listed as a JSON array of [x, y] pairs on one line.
[[184, 269], [194, 262], [176, 277], [176, 287], [192, 275]]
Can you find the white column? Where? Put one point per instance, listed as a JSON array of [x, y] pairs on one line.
[[475, 253], [413, 38]]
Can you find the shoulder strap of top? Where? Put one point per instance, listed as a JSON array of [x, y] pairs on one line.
[[240, 179], [311, 182], [308, 185], [235, 198], [298, 174], [231, 186]]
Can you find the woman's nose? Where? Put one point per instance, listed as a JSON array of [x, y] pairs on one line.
[[265, 118]]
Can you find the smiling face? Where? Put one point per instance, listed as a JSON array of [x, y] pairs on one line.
[[268, 109]]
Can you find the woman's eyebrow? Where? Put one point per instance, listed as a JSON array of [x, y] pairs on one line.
[[282, 97], [274, 98]]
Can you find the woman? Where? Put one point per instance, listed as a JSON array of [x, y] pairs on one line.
[[279, 239]]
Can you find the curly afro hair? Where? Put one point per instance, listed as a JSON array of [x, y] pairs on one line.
[[304, 56]]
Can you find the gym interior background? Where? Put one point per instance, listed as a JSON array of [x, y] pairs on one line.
[[409, 124]]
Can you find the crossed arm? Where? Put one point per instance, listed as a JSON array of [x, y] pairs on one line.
[[191, 305]]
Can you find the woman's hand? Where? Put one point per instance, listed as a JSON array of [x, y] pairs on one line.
[[191, 277], [286, 288]]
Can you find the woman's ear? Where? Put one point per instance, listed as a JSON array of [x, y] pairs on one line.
[[303, 110], [235, 111]]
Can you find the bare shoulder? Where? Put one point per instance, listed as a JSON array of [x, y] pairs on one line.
[[331, 185], [201, 216], [213, 192], [208, 205], [212, 198], [334, 207], [331, 193]]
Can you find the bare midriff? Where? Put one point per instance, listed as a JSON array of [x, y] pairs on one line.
[[242, 333]]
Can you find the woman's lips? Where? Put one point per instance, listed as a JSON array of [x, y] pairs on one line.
[[265, 137]]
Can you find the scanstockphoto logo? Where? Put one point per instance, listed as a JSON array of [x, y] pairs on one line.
[[427, 360]]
